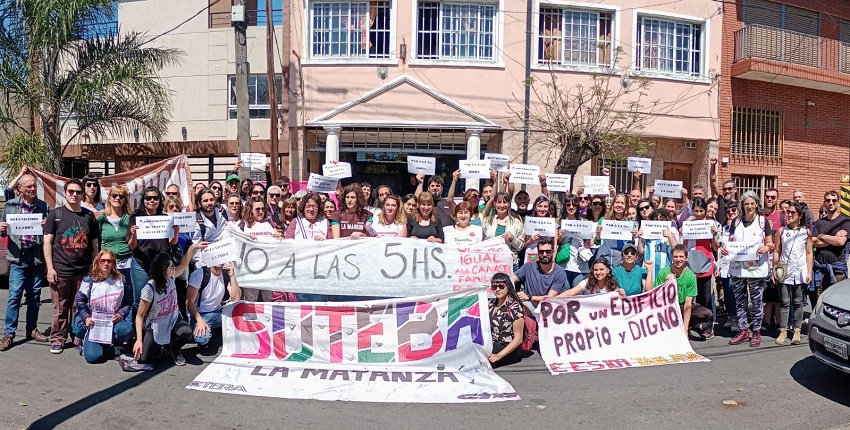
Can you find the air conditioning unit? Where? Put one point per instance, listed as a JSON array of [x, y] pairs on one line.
[[690, 144]]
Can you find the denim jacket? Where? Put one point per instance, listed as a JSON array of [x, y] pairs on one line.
[[13, 251]]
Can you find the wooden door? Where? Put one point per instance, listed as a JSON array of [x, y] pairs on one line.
[[678, 172]]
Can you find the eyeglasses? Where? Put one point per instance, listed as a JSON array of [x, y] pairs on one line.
[[256, 192], [151, 198], [215, 188], [171, 194], [275, 195], [311, 206], [570, 204], [830, 200], [119, 196], [259, 209], [791, 213], [731, 210], [105, 260], [284, 185], [584, 199], [91, 185], [630, 252], [596, 204], [74, 192], [728, 188], [647, 207], [234, 203], [544, 251], [770, 197], [495, 286], [474, 196]]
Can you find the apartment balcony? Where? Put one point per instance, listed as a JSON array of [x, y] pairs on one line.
[[790, 58]]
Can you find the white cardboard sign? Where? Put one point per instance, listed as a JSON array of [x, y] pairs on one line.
[[596, 185], [475, 169], [617, 230], [223, 251], [154, 227], [697, 230], [668, 189], [321, 184], [742, 251], [29, 224], [426, 165], [253, 160], [578, 228], [498, 162], [642, 165], [528, 174], [337, 170], [654, 230], [544, 226], [558, 182], [187, 221]]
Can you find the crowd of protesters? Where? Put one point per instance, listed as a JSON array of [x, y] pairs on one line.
[[157, 299]]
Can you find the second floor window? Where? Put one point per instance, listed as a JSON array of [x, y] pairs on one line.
[[455, 31], [574, 37], [669, 47], [350, 29], [756, 134], [258, 96], [101, 24]]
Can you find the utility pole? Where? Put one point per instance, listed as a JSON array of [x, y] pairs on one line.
[[243, 119], [273, 133], [285, 57]]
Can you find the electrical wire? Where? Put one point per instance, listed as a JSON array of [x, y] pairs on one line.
[[213, 3]]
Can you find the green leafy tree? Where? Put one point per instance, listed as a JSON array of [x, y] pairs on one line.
[[60, 78]]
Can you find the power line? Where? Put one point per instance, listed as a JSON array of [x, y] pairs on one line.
[[184, 22]]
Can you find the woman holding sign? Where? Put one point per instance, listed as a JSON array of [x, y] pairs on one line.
[[144, 250], [748, 275], [570, 247], [310, 224], [462, 233], [254, 221], [792, 262], [539, 209], [504, 224], [701, 261], [103, 300]]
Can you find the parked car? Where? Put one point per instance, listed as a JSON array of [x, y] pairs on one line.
[[829, 327]]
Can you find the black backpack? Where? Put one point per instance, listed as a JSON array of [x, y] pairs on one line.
[[205, 280]]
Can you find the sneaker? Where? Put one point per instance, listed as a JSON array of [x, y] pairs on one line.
[[708, 334], [178, 358], [129, 364], [37, 336], [6, 343], [728, 324], [56, 349]]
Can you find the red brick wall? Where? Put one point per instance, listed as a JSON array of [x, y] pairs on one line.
[[815, 151]]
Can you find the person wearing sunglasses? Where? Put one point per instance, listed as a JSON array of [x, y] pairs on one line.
[[217, 189], [255, 222], [70, 243], [829, 237], [633, 279], [114, 224], [91, 200], [507, 322], [569, 247], [728, 194], [273, 195], [25, 254], [103, 296], [542, 278], [794, 253]]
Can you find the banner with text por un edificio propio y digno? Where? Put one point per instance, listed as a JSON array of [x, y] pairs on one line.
[[429, 349], [380, 267], [606, 331]]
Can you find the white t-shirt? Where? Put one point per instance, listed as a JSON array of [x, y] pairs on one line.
[[213, 293], [467, 237], [386, 230], [262, 230]]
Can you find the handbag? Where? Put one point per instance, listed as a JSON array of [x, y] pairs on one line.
[[529, 331]]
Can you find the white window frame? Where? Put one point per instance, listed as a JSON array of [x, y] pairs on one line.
[[250, 106], [498, 37], [581, 7], [685, 19], [308, 38]]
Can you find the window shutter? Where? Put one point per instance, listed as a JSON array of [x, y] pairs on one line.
[[844, 35], [802, 21], [762, 12]]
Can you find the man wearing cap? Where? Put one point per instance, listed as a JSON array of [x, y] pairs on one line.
[[232, 183], [631, 277]]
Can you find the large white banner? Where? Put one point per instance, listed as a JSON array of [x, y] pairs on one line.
[[606, 331], [382, 267], [430, 349]]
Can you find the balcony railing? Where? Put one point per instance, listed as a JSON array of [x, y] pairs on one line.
[[759, 41]]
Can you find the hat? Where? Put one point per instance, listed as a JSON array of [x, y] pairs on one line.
[[232, 177], [629, 245]]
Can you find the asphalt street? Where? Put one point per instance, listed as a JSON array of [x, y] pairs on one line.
[[774, 387]]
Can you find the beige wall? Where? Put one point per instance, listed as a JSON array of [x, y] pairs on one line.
[[200, 83]]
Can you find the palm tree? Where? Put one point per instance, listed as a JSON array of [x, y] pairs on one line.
[[59, 78]]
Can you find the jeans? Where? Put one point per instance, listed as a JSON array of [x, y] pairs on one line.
[[729, 297], [756, 289], [63, 294], [789, 292], [213, 320], [139, 277], [25, 278], [94, 352], [705, 298], [180, 334], [574, 278]]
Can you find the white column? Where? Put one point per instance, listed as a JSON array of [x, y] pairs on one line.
[[473, 151], [332, 144]]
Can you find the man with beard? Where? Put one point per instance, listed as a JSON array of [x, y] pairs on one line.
[[829, 238], [770, 211], [441, 205], [542, 278], [210, 221]]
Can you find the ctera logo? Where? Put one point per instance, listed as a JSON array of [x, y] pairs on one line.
[[217, 386]]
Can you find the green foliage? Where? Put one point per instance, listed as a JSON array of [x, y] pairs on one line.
[[25, 150]]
